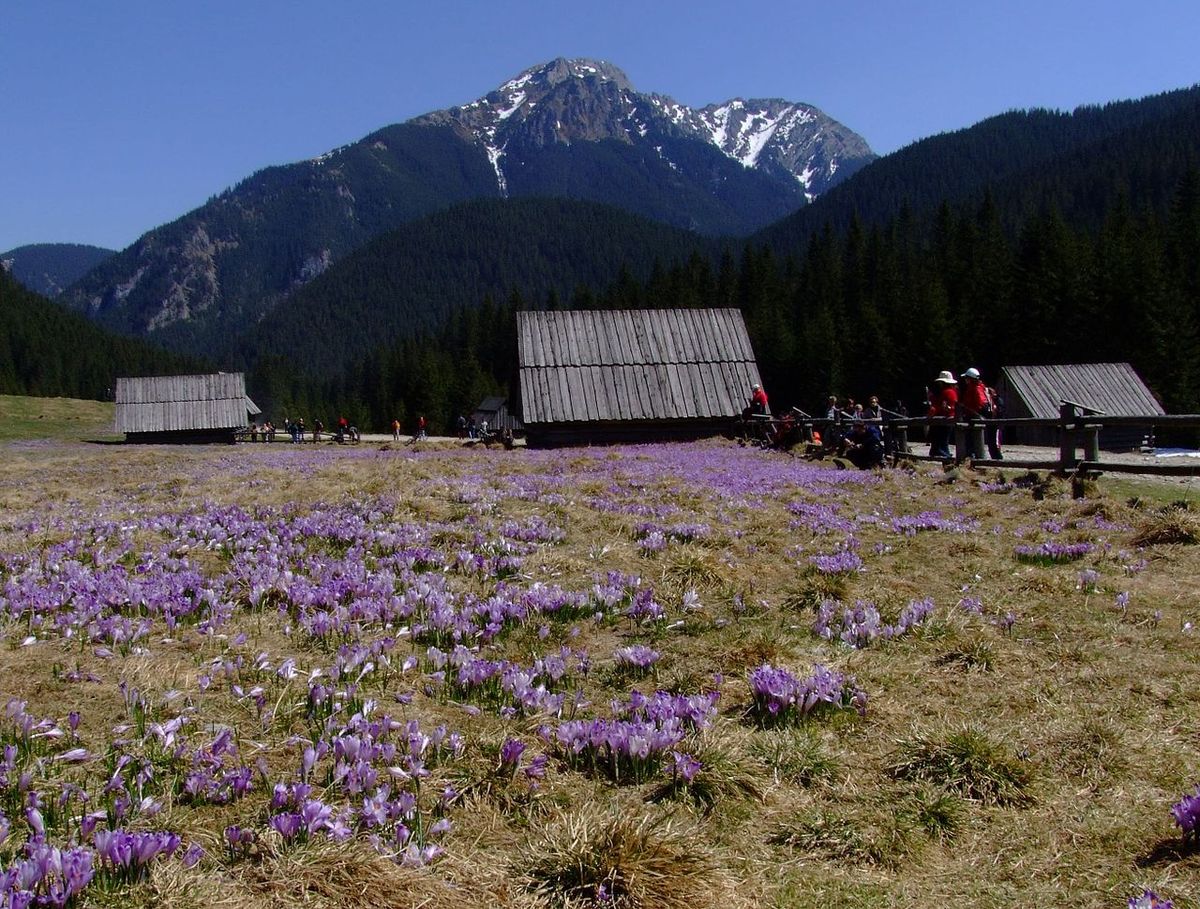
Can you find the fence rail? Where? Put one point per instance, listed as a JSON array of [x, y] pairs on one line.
[[1078, 429]]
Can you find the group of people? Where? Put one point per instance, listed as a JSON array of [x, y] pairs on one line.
[[262, 432], [468, 428], [975, 401], [863, 434], [296, 430]]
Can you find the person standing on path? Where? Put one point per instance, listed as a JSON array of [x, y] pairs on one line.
[[943, 402]]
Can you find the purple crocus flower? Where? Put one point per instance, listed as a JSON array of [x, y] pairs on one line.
[[510, 754], [287, 824], [1149, 900], [1187, 815], [685, 766]]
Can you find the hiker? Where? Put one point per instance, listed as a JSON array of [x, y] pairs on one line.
[[835, 432], [318, 428], [758, 402], [973, 405], [462, 426], [395, 430], [864, 445], [943, 402]]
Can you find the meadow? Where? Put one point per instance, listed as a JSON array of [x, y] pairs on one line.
[[655, 676]]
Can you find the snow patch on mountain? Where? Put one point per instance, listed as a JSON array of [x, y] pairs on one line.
[[494, 155], [573, 100], [514, 105]]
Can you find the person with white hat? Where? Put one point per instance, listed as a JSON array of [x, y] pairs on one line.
[[943, 402], [974, 405], [758, 401]]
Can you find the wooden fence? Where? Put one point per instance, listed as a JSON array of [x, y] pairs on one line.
[[1078, 433]]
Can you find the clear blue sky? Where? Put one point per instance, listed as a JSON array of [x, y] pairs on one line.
[[121, 115]]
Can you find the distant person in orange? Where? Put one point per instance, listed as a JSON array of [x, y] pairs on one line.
[[395, 430]]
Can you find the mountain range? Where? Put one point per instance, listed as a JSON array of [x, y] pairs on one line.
[[569, 128], [1032, 237]]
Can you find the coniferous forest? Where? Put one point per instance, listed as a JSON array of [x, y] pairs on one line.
[[47, 351], [870, 311], [1033, 237]]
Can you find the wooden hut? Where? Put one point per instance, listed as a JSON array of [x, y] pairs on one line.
[[494, 410], [183, 408], [1111, 388], [632, 375]]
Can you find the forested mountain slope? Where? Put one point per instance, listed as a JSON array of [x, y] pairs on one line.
[[409, 280], [571, 128], [1024, 160], [48, 268], [47, 351]]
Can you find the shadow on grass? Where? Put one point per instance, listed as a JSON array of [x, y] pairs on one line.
[[1166, 852]]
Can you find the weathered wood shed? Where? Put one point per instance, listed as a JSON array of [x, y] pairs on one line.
[[1112, 388], [495, 411], [632, 375], [209, 408]]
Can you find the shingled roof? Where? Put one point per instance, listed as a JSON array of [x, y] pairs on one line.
[[665, 365], [1111, 388], [182, 403]]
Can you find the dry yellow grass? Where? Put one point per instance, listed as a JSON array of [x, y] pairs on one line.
[[1093, 706]]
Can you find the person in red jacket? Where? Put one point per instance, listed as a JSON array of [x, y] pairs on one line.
[[973, 403], [758, 400], [978, 403], [943, 402]]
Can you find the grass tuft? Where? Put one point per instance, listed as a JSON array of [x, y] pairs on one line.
[[318, 873], [691, 567], [725, 773], [966, 762], [1168, 526], [940, 814], [976, 654], [592, 857], [795, 754], [814, 588]]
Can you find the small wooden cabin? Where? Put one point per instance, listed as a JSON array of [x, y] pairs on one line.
[[183, 409], [1112, 388], [495, 411], [593, 377]]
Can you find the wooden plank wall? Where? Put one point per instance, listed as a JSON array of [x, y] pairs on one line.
[[607, 366], [173, 403]]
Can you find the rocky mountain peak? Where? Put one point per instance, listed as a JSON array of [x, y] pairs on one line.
[[562, 69], [582, 100]]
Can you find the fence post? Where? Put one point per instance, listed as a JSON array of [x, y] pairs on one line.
[[1066, 439], [961, 452], [977, 446], [1091, 442]]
